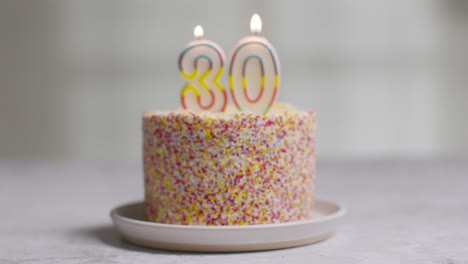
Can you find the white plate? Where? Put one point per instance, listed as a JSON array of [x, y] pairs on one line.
[[129, 220]]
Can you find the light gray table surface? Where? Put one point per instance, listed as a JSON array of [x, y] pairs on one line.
[[398, 212]]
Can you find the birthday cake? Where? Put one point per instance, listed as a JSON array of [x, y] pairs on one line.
[[213, 164], [229, 168]]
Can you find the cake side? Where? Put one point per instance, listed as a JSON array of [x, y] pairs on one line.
[[229, 168]]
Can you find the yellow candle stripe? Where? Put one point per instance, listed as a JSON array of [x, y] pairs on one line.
[[231, 83], [189, 87], [276, 81], [190, 76], [202, 78], [216, 79]]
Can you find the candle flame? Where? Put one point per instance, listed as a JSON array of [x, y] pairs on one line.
[[255, 24], [198, 32]]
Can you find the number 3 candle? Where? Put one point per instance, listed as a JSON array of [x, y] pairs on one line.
[[201, 64], [254, 71]]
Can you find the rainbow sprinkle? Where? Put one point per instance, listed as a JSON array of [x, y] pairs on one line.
[[230, 168]]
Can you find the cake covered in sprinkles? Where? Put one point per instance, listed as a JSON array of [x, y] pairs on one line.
[[229, 168]]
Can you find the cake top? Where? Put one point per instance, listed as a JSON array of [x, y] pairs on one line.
[[278, 109]]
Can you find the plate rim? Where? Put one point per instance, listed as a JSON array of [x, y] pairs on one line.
[[340, 212]]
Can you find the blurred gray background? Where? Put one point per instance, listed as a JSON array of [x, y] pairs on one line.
[[388, 78]]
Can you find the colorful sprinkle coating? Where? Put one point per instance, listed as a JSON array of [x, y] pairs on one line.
[[230, 168]]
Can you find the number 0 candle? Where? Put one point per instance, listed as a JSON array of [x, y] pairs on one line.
[[201, 64], [254, 71]]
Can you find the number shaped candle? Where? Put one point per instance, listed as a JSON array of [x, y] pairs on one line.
[[254, 71], [201, 64]]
